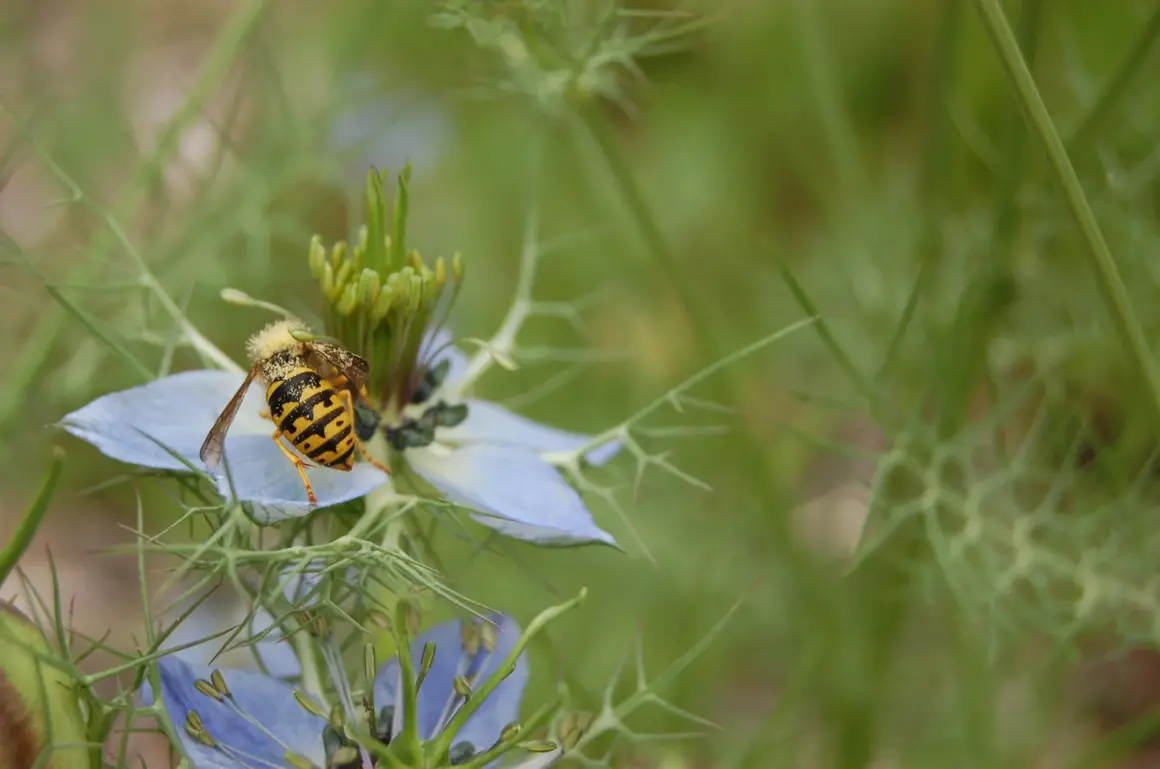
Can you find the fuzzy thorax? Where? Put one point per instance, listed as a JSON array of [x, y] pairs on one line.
[[274, 341]]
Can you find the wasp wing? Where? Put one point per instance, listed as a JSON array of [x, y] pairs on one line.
[[211, 449], [345, 362]]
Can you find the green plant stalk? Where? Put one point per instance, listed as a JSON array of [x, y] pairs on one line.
[[1112, 289], [26, 530], [1106, 105]]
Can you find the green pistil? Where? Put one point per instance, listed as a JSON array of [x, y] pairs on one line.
[[382, 298]]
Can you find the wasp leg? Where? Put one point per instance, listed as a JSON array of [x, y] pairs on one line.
[[299, 465], [362, 449]]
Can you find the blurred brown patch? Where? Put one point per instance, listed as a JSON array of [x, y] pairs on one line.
[[99, 594]]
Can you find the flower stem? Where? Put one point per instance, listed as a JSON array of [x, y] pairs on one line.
[[26, 530], [412, 743], [1111, 285]]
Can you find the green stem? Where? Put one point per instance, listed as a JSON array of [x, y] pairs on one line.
[[26, 530], [412, 743], [1112, 289], [1106, 105]]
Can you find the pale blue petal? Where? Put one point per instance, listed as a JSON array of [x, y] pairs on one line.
[[520, 495], [437, 698], [178, 411], [491, 423], [260, 473], [284, 724], [175, 411]]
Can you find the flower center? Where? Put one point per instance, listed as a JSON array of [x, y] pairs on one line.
[[414, 425]]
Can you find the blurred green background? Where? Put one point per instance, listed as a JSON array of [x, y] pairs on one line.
[[869, 152]]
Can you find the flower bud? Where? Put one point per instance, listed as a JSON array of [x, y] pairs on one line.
[[39, 708]]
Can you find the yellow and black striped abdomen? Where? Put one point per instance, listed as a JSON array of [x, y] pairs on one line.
[[309, 411]]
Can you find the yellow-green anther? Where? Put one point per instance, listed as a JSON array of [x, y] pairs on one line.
[[343, 757], [206, 688], [317, 257], [383, 304], [489, 636], [344, 273], [219, 682], [369, 285], [462, 687], [425, 662], [457, 267], [510, 732], [361, 241], [415, 294], [415, 261], [573, 726], [326, 280], [348, 301], [358, 256], [440, 272], [195, 728], [309, 705], [338, 254], [469, 635], [298, 761], [412, 617], [539, 746]]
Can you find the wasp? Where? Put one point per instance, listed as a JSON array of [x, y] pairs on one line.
[[314, 391]]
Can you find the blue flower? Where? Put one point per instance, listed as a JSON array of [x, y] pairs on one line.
[[242, 719], [491, 462]]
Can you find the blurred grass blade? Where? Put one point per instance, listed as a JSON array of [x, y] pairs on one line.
[[26, 530], [828, 338], [1112, 289]]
